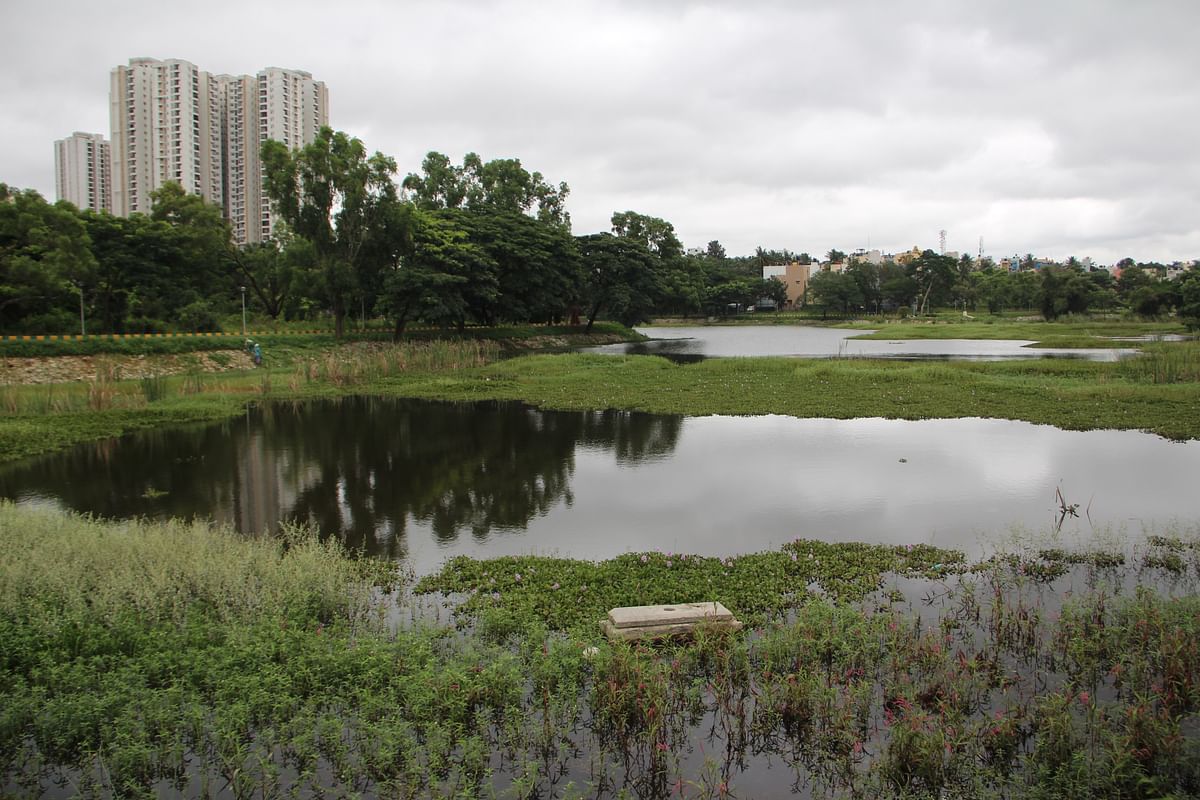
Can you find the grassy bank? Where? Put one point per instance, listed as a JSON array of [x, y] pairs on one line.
[[1060, 333], [1076, 395], [1156, 393], [140, 659]]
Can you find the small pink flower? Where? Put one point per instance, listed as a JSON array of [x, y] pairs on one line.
[[668, 562], [518, 577], [1084, 698], [645, 558]]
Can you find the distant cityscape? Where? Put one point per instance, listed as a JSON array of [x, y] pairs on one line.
[[171, 121]]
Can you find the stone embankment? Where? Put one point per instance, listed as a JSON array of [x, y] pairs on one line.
[[65, 369]]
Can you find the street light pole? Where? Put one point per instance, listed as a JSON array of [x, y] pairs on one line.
[[243, 288], [82, 320]]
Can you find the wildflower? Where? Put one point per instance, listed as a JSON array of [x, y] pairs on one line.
[[645, 558], [518, 577], [668, 562], [1084, 698], [555, 586], [495, 595]]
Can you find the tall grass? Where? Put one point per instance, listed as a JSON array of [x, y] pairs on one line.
[[154, 388], [363, 363], [1175, 362], [57, 567]]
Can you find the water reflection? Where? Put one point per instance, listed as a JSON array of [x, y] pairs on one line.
[[684, 344], [424, 481], [369, 468]]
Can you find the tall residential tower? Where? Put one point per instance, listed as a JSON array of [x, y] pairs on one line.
[[174, 122], [83, 171]]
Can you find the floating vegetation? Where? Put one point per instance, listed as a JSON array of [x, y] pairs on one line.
[[171, 658]]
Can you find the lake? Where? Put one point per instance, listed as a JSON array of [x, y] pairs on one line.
[[689, 343], [423, 481]]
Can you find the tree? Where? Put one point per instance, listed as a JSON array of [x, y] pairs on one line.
[[934, 275], [438, 275], [867, 276], [1064, 291], [656, 234], [45, 262], [199, 255], [332, 194], [1132, 279], [836, 290], [277, 271], [1189, 298], [536, 265], [501, 185], [715, 250], [775, 290], [835, 256], [722, 298], [620, 275]]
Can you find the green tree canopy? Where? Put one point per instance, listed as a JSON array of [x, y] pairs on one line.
[[502, 185], [656, 234], [45, 261], [620, 275], [333, 195]]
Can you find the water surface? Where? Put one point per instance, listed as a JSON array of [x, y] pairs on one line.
[[424, 480], [816, 342]]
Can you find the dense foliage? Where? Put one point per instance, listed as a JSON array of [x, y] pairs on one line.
[[142, 659]]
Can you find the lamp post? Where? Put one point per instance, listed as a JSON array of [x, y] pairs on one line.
[[243, 288], [82, 320]]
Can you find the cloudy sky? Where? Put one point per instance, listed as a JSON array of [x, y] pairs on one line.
[[1058, 127]]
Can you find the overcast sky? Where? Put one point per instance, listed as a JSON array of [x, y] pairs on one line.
[[1058, 127]]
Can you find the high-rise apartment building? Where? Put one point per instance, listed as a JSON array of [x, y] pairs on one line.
[[292, 108], [166, 126], [174, 122], [83, 171]]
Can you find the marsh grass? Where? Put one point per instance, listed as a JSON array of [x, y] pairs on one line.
[[102, 389], [1161, 362], [178, 658], [154, 388], [71, 567], [362, 364]]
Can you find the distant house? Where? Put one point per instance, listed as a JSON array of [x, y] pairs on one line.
[[794, 276]]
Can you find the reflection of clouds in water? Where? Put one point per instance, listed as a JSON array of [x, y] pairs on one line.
[[741, 484], [818, 342], [434, 479]]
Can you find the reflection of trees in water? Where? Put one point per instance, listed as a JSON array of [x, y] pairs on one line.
[[634, 436], [359, 466], [480, 467]]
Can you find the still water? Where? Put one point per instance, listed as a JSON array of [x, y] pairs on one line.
[[423, 480], [815, 342]]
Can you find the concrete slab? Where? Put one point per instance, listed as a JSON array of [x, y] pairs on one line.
[[663, 631], [673, 614]]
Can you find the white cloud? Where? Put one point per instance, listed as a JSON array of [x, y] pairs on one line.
[[1056, 128]]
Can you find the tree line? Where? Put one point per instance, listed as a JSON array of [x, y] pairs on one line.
[[938, 281], [481, 242]]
